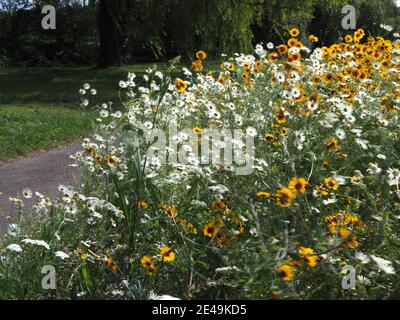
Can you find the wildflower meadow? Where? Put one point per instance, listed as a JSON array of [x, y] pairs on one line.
[[274, 175]]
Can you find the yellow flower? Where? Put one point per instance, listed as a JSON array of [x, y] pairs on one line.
[[143, 204], [298, 185], [284, 197], [273, 56], [308, 255], [276, 143], [331, 184], [280, 117], [333, 144], [89, 151], [210, 230], [190, 227], [197, 130], [111, 264], [285, 272], [222, 239], [167, 254], [344, 233], [294, 32], [322, 191], [348, 38], [149, 265], [201, 55], [146, 261], [282, 49], [283, 131], [293, 42], [197, 65], [269, 137], [170, 211], [313, 38], [218, 205], [111, 160], [180, 85], [356, 179], [328, 77], [265, 195], [352, 243]]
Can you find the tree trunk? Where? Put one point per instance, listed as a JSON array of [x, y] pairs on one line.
[[109, 38]]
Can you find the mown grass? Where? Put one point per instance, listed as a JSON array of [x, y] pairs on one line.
[[41, 107], [28, 128]]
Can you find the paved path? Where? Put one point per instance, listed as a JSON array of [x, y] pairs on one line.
[[42, 171]]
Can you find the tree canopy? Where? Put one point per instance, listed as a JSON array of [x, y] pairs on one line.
[[146, 30]]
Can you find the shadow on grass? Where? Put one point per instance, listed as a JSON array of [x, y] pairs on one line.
[[61, 85]]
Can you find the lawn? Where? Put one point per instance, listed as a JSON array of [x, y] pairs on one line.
[[27, 128], [41, 107]]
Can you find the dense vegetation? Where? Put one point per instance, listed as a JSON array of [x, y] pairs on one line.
[[322, 194], [126, 31]]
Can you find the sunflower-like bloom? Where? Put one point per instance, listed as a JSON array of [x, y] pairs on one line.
[[284, 197], [294, 32], [210, 230], [201, 55], [308, 255], [167, 254], [331, 183], [180, 85], [285, 272], [298, 185]]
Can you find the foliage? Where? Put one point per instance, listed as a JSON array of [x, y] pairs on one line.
[[151, 29]]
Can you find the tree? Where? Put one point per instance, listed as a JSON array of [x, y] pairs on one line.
[[109, 37]]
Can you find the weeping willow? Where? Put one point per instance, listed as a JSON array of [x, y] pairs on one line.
[[180, 27]]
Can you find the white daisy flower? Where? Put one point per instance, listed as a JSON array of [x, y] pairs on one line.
[[363, 280], [340, 133], [251, 131], [62, 255], [104, 113], [373, 169], [362, 257], [27, 193], [154, 296], [383, 264], [393, 177], [381, 156]]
